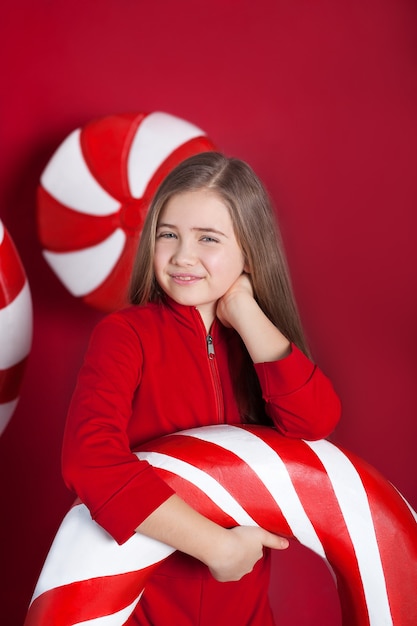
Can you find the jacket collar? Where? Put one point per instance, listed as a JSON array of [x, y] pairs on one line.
[[190, 317]]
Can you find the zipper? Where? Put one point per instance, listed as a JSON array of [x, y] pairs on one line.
[[210, 347], [214, 372], [216, 379]]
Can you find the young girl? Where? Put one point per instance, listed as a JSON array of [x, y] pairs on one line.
[[213, 336]]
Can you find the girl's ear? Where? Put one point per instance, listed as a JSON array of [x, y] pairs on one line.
[[246, 268]]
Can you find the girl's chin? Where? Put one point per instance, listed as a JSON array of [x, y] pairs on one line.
[[207, 308]]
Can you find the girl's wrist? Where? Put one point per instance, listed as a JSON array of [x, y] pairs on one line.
[[234, 305], [214, 548]]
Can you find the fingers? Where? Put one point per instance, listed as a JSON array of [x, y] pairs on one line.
[[242, 550], [274, 541]]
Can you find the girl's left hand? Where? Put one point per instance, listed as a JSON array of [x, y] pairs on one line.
[[229, 305], [238, 309]]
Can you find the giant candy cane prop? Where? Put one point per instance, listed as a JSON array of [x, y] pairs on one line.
[[329, 500], [15, 325]]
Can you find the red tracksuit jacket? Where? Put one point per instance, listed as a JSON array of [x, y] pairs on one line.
[[148, 372]]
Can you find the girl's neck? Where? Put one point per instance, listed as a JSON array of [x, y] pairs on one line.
[[207, 316]]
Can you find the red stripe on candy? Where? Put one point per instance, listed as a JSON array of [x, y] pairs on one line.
[[196, 498], [87, 599], [61, 229], [105, 144], [12, 274]]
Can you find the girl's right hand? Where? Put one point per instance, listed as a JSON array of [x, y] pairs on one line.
[[242, 548], [228, 553]]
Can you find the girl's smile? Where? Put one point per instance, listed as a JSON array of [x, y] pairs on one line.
[[197, 256], [185, 278]]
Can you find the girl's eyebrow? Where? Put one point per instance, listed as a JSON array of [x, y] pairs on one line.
[[209, 229], [202, 229]]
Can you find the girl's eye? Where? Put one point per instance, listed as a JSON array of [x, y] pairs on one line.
[[165, 235], [209, 239]]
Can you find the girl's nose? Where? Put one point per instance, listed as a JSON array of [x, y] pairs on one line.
[[184, 254]]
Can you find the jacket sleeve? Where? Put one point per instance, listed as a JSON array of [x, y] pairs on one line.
[[98, 465], [299, 398]]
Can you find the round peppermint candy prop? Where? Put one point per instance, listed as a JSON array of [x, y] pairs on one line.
[[314, 492], [15, 325], [94, 195]]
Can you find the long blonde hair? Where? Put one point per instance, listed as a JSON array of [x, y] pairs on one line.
[[255, 227]]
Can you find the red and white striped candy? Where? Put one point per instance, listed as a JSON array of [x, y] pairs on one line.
[[15, 325], [329, 500], [94, 195]]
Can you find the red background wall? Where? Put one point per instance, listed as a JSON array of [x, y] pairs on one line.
[[321, 99]]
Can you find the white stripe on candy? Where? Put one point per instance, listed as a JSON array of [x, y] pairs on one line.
[[82, 271], [156, 138], [82, 550], [68, 179]]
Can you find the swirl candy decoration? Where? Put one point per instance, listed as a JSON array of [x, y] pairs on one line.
[[326, 498], [15, 325], [94, 195]]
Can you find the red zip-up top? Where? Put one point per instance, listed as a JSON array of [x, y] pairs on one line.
[[152, 370]]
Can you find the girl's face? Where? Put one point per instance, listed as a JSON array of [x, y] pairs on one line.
[[197, 257]]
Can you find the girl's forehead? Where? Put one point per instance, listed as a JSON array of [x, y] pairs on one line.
[[194, 206]]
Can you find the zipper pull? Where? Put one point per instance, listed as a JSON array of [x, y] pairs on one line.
[[210, 347]]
